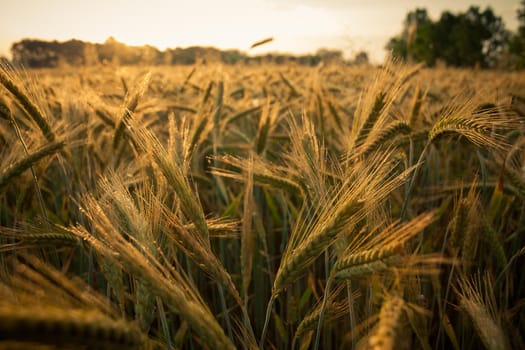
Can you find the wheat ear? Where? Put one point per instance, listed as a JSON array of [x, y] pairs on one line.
[[389, 319], [20, 166], [7, 79]]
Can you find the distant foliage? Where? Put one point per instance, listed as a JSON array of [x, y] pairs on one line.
[[516, 49], [361, 58], [468, 39], [51, 54]]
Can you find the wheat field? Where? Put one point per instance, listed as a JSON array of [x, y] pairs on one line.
[[271, 207]]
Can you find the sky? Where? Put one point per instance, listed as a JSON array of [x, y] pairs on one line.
[[297, 26]]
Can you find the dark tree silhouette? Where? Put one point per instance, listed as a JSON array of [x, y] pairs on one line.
[[472, 38], [39, 54], [517, 41]]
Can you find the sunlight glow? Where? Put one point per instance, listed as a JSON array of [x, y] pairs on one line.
[[297, 26]]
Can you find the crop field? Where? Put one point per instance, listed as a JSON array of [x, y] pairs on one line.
[[262, 206]]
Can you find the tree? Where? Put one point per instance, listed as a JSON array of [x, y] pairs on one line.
[[412, 43], [231, 56], [517, 41], [472, 38], [35, 53], [73, 52], [330, 55], [477, 38], [361, 58], [398, 47]]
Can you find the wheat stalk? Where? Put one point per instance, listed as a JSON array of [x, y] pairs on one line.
[[8, 80], [379, 137], [21, 165], [481, 127], [247, 235], [477, 300], [385, 245], [169, 285], [174, 170], [346, 204], [36, 239], [385, 336], [131, 104], [263, 173], [42, 324]]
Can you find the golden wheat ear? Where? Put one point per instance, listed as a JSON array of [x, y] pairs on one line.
[[132, 101], [334, 310], [175, 171], [11, 82], [17, 168], [481, 126], [63, 315], [172, 287], [46, 325], [386, 332], [476, 298]]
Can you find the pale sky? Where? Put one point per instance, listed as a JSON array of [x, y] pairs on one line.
[[298, 26]]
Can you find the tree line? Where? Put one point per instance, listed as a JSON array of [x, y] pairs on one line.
[[467, 39], [50, 54], [474, 38]]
